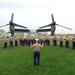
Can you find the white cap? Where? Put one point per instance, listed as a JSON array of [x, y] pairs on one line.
[[37, 39]]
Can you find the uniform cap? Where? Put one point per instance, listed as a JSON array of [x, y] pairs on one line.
[[37, 39]]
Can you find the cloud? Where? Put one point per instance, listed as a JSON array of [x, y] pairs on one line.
[[33, 14]]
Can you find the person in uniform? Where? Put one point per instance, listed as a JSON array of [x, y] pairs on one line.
[[73, 42], [36, 47], [61, 41], [67, 42]]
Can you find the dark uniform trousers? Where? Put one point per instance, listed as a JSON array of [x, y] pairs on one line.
[[41, 41], [73, 44], [29, 42], [16, 44], [36, 58], [5, 44], [22, 43], [26, 42], [34, 41], [48, 42], [61, 43], [55, 42], [11, 43], [67, 44]]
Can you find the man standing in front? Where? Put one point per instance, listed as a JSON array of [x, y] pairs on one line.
[[37, 47]]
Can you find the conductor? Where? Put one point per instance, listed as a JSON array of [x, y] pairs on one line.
[[37, 47]]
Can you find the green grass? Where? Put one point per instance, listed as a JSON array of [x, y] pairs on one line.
[[54, 61]]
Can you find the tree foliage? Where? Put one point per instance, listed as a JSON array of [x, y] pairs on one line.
[[2, 31]]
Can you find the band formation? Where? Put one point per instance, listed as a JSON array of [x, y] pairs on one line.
[[28, 40]]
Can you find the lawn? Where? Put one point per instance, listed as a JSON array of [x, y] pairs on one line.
[[54, 61]]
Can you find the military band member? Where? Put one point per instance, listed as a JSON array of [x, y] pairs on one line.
[[55, 40], [5, 42], [67, 42], [61, 41], [73, 42], [36, 47]]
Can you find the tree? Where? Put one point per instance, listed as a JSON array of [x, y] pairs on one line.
[[2, 31]]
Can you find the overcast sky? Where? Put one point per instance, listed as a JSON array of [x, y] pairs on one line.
[[36, 13]]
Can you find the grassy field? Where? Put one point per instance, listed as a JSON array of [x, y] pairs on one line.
[[54, 61]]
